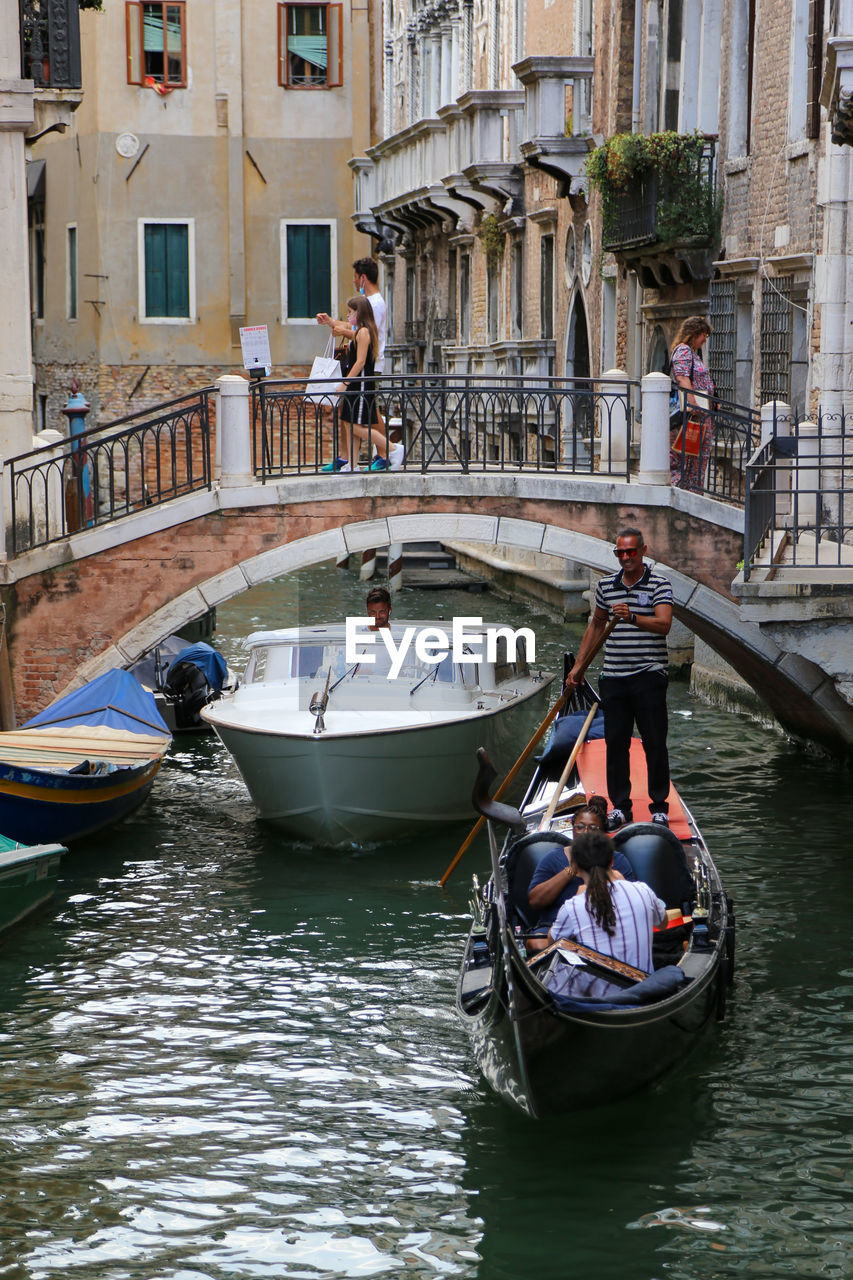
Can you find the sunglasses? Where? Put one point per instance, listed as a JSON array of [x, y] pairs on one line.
[[626, 551]]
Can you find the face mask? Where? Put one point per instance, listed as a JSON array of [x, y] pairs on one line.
[[361, 290]]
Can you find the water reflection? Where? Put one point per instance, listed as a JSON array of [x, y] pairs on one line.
[[225, 1057]]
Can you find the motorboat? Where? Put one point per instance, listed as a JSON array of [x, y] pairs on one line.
[[567, 1028], [338, 753], [83, 763], [182, 678]]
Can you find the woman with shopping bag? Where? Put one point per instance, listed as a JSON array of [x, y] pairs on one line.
[[357, 415], [692, 432]]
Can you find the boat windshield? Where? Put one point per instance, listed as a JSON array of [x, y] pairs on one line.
[[274, 664]]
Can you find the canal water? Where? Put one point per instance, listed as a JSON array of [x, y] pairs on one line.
[[224, 1056]]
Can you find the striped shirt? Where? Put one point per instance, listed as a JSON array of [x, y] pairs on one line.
[[636, 908], [628, 649]]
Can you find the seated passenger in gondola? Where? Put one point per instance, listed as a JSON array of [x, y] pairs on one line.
[[610, 915], [555, 880]]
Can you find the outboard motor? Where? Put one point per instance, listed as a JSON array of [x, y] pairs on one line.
[[187, 689]]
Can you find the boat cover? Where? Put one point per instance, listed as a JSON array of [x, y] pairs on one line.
[[114, 699], [209, 662], [563, 737]]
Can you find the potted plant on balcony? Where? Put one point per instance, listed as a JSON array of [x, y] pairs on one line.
[[656, 187]]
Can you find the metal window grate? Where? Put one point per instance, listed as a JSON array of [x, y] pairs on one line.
[[776, 338], [722, 313]]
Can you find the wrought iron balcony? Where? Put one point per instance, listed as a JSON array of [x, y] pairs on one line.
[[415, 331], [664, 237], [50, 43]]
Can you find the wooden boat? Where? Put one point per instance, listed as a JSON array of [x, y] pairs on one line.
[[28, 876], [84, 763], [337, 755], [550, 1045]]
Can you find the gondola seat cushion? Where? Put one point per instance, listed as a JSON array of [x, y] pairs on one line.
[[657, 986], [658, 858], [523, 859]]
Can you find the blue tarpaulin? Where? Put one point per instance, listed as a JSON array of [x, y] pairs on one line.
[[210, 663], [115, 699]]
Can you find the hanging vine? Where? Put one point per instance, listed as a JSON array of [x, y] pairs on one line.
[[492, 238]]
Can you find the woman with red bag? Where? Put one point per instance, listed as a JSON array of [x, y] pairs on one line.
[[691, 439]]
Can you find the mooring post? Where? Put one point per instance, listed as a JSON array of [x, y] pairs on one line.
[[395, 566]]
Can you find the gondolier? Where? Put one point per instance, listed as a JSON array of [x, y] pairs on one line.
[[634, 679]]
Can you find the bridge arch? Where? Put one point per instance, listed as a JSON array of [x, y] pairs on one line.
[[182, 587]]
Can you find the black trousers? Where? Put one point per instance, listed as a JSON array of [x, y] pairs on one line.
[[640, 700]]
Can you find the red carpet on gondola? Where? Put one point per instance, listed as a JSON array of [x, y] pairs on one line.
[[593, 779]]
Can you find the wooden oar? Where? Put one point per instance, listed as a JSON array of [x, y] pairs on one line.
[[610, 963], [508, 780], [510, 777]]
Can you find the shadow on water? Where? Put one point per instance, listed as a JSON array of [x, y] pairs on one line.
[[226, 1056]]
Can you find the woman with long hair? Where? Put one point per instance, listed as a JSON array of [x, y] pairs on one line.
[[556, 879], [691, 375], [357, 406], [610, 915]]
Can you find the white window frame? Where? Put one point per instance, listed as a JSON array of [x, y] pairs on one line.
[[141, 224], [69, 227], [332, 224]]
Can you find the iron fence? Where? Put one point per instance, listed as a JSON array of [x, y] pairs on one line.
[[470, 424], [728, 435], [50, 43], [639, 215], [799, 498], [111, 471]]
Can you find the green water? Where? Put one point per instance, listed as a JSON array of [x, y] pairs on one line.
[[227, 1057]]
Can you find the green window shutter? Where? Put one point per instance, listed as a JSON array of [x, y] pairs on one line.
[[309, 270], [167, 284]]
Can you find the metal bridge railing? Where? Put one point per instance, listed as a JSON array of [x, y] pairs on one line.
[[799, 497], [111, 471], [470, 424], [730, 435]]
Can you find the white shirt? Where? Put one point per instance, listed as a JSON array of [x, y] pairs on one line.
[[380, 315], [636, 908]]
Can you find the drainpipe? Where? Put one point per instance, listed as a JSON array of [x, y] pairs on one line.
[[638, 54]]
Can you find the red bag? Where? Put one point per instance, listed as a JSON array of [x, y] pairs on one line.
[[689, 440]]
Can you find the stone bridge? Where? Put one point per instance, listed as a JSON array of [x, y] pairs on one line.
[[104, 595]]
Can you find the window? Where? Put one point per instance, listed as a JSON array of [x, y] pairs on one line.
[[37, 271], [166, 270], [546, 286], [517, 288], [71, 273], [156, 44], [310, 44], [464, 298], [493, 285], [309, 266]]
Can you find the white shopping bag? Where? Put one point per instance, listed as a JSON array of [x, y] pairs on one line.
[[326, 374]]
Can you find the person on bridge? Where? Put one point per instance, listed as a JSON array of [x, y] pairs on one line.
[[634, 679], [688, 462]]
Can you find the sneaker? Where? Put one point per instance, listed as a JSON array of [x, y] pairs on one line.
[[660, 819], [378, 464], [347, 467], [395, 457], [616, 819], [338, 465]]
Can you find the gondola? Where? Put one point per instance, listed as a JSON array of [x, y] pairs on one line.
[[567, 1029]]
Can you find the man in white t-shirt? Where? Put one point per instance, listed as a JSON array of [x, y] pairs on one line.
[[365, 279]]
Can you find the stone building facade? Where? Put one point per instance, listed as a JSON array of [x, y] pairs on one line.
[[204, 186], [496, 258]]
